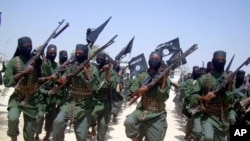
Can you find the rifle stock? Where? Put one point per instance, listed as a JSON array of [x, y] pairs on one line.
[[81, 66], [39, 51], [160, 75]]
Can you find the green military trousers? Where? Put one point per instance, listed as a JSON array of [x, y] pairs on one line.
[[152, 130], [81, 126], [211, 133], [29, 112]]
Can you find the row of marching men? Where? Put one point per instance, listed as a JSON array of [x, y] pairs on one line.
[[209, 114], [50, 94], [84, 94]]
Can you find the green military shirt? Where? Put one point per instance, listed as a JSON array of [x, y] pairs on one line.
[[161, 95], [224, 96], [105, 91], [82, 106], [15, 65]]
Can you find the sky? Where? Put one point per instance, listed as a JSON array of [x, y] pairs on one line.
[[211, 24]]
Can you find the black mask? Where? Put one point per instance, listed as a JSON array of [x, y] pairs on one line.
[[24, 51], [62, 60], [195, 75], [218, 65], [51, 57], [239, 80], [101, 62], [81, 58], [154, 64]]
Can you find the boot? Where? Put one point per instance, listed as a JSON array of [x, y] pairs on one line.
[[14, 138]]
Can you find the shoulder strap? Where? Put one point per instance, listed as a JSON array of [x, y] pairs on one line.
[[208, 83]]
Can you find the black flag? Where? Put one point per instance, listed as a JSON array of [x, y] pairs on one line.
[[92, 34], [174, 56], [127, 49], [137, 65], [169, 47]]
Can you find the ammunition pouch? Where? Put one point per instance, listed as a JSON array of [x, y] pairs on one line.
[[151, 104], [80, 93]]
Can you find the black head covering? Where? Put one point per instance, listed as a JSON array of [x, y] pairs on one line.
[[196, 72], [219, 65], [155, 64], [219, 53], [156, 52], [209, 66], [50, 56], [63, 56], [85, 50], [240, 76], [101, 59], [203, 70], [20, 49], [196, 68], [63, 53]]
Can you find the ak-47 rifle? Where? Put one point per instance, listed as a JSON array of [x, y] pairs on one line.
[[47, 81], [226, 80], [39, 51], [161, 74], [81, 66]]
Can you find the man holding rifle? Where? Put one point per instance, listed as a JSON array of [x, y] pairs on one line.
[[214, 104], [23, 98], [149, 119], [82, 85]]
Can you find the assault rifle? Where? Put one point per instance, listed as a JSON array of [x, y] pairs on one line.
[[39, 51], [160, 74], [81, 66], [47, 81], [227, 79]]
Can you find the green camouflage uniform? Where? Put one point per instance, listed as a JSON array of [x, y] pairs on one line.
[[103, 100], [47, 105], [215, 113], [193, 127], [80, 107], [149, 118], [25, 92]]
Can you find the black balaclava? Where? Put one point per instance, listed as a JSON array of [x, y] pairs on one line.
[[203, 70], [219, 65], [21, 50], [209, 67], [101, 59], [49, 56], [63, 56], [117, 68], [155, 64], [240, 75], [82, 57], [196, 72]]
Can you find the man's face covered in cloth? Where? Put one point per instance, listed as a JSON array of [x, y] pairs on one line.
[[24, 47]]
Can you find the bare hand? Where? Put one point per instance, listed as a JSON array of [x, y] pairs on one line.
[[28, 70], [62, 80], [209, 96]]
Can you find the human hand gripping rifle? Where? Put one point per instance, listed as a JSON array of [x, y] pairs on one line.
[[81, 66], [161, 74], [226, 80], [36, 53], [51, 80]]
